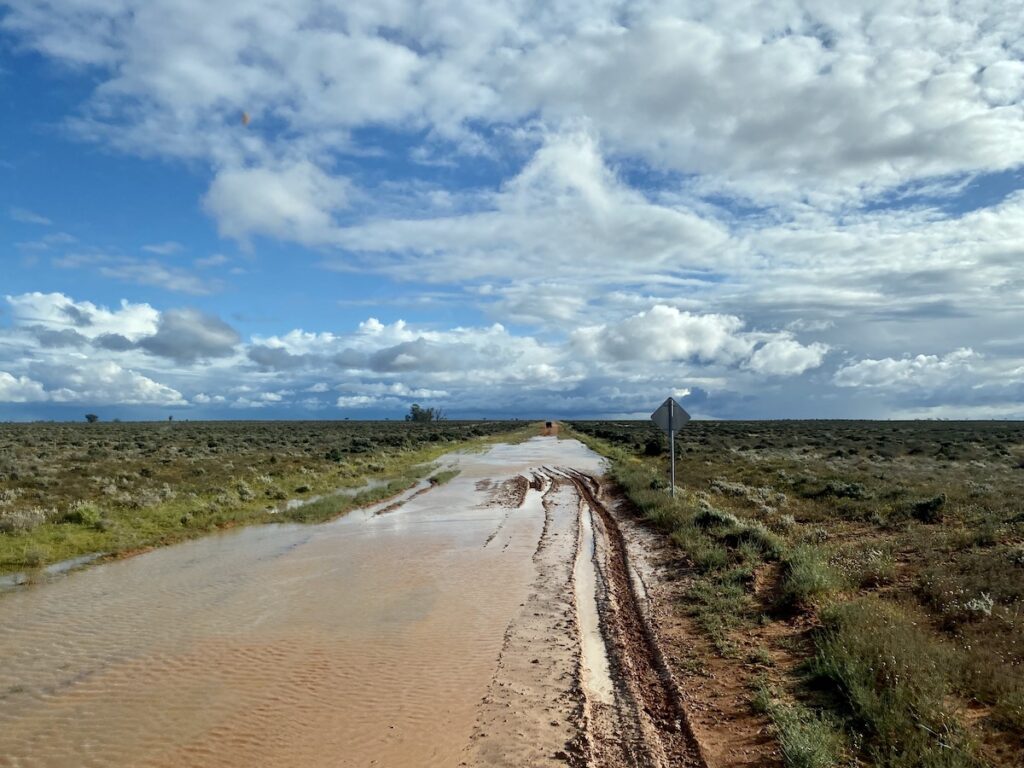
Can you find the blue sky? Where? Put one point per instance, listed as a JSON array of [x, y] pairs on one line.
[[808, 210]]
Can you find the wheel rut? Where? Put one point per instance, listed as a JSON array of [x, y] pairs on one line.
[[532, 712], [647, 726], [581, 679]]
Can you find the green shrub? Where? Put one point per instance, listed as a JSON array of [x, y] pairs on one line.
[[839, 489], [709, 517], [892, 678], [806, 577], [928, 510], [1008, 712], [361, 445], [708, 556], [82, 513], [705, 554], [757, 535], [808, 739], [245, 492]]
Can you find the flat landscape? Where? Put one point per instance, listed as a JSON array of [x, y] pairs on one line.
[[492, 619], [817, 594], [330, 334]]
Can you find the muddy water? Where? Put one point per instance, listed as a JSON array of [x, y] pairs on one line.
[[366, 641], [596, 677]]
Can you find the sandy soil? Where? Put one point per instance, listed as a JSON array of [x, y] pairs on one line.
[[511, 617]]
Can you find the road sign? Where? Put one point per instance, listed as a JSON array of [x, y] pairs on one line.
[[670, 416]]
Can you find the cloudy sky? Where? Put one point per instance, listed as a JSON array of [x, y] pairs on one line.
[[809, 209]]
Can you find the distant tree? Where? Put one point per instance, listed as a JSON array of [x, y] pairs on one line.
[[417, 413], [92, 418]]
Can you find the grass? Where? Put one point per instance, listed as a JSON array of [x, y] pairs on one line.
[[807, 579], [807, 738], [719, 603], [68, 490], [444, 476], [1009, 711], [893, 681], [902, 542]]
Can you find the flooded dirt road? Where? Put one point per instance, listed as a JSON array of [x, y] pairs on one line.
[[494, 620]]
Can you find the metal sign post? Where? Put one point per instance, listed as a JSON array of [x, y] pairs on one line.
[[672, 447], [670, 416]]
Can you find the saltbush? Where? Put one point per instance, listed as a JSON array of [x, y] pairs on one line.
[[893, 679]]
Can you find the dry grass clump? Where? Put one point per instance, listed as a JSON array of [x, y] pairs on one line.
[[25, 519], [867, 567]]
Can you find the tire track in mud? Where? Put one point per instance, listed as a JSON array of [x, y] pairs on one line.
[[532, 714], [647, 725], [548, 702], [512, 495]]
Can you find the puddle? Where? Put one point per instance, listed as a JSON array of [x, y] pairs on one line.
[[368, 640], [597, 676], [69, 565], [370, 485], [15, 580]]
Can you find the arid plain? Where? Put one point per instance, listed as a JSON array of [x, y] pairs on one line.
[[818, 593]]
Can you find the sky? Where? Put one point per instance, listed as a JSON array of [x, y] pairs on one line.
[[314, 209]]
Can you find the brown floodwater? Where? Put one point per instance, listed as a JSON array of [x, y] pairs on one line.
[[366, 641]]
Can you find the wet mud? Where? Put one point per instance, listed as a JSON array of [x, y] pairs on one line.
[[495, 620]]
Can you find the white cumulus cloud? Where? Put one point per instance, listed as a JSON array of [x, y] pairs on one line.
[[917, 371], [293, 202], [20, 389], [108, 382], [665, 334], [786, 356], [57, 311]]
